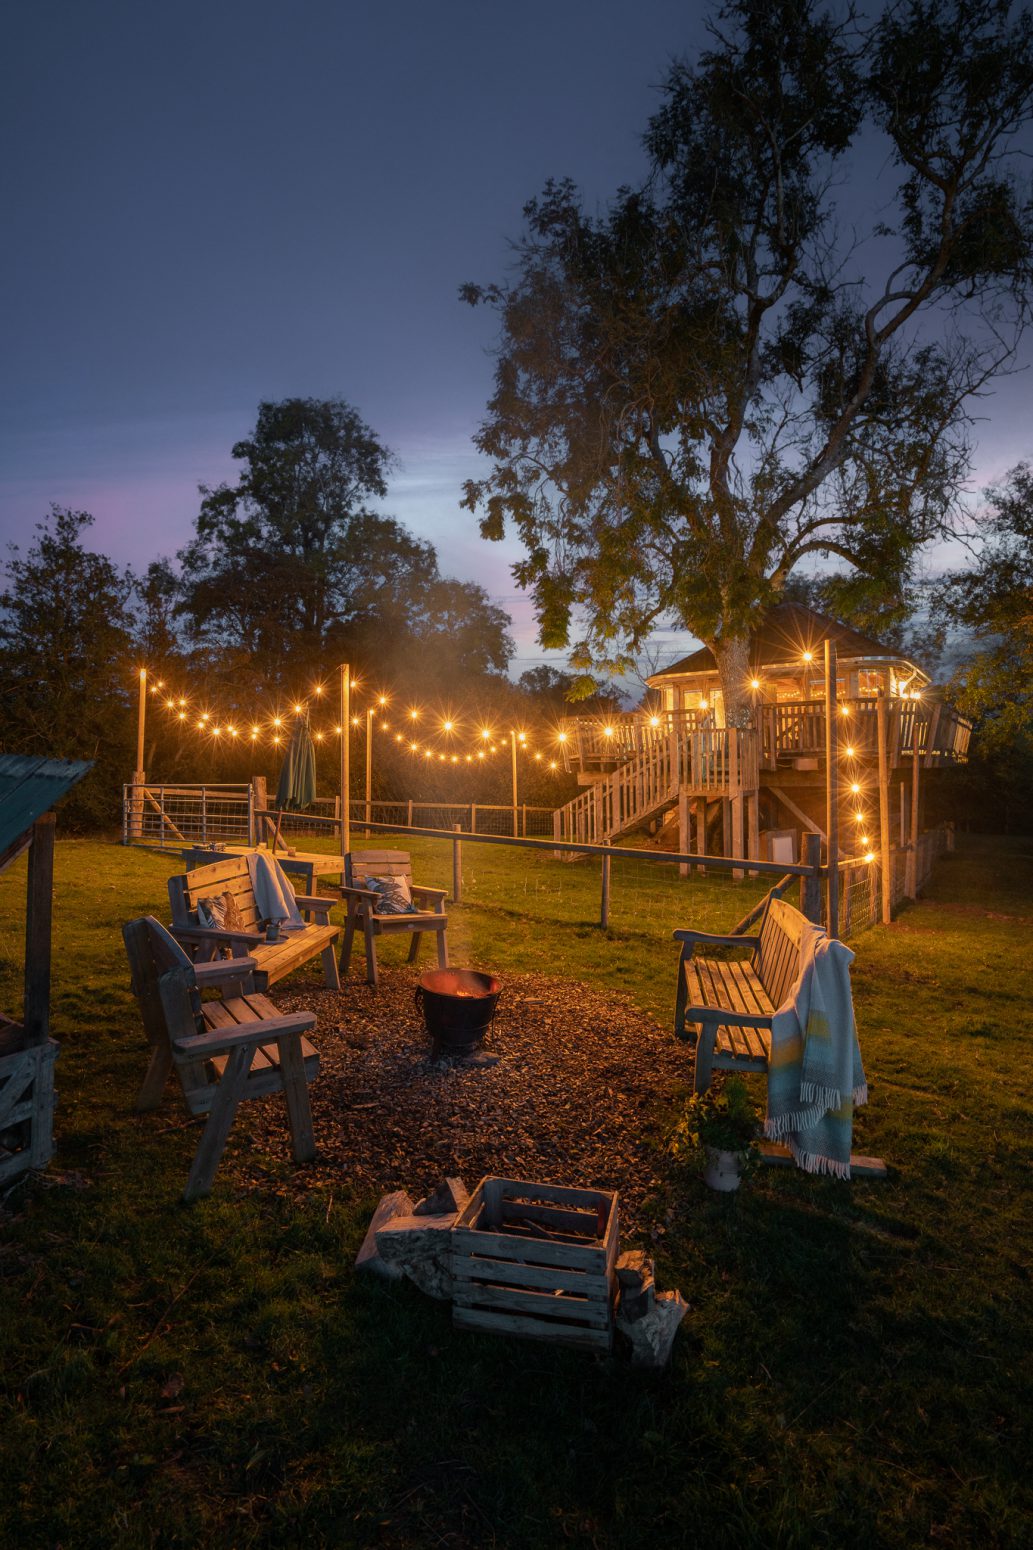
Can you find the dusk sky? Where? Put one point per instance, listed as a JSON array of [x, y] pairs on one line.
[[210, 205]]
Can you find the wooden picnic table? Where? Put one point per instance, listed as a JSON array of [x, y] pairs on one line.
[[310, 863]]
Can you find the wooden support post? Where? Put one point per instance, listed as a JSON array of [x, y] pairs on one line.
[[701, 832], [832, 783], [810, 887], [557, 834], [513, 762], [753, 828], [886, 856], [911, 860], [737, 815], [604, 907], [38, 911], [684, 842], [457, 866], [408, 814], [473, 817]]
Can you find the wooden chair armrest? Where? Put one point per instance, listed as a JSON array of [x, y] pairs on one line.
[[214, 934], [219, 1040], [349, 891], [223, 971], [709, 939], [428, 893], [720, 1014], [318, 904]]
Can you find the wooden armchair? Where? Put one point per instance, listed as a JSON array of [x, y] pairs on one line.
[[222, 1051], [362, 913]]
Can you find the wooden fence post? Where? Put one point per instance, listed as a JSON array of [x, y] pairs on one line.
[[810, 887], [604, 908], [457, 866], [557, 834], [684, 841]]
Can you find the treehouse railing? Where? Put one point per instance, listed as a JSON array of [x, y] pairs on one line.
[[788, 730]]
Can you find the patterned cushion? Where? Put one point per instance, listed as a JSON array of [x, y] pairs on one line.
[[220, 914], [393, 896]]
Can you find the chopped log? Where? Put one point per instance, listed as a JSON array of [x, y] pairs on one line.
[[396, 1204], [652, 1336], [450, 1195], [421, 1248]]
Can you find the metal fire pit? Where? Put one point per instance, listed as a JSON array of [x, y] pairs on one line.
[[458, 1007]]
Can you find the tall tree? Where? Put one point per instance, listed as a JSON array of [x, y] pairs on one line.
[[706, 385], [65, 659], [992, 602], [293, 549]]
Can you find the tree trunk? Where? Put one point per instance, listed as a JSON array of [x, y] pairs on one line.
[[732, 653]]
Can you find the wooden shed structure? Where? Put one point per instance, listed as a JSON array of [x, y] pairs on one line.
[[29, 788]]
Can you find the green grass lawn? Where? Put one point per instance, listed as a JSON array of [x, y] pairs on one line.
[[854, 1369]]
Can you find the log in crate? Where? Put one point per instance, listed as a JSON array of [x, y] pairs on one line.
[[538, 1261]]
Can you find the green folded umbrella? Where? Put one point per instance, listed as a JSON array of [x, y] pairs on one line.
[[297, 784]]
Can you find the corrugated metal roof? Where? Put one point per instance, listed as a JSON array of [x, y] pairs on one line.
[[29, 787], [788, 630]]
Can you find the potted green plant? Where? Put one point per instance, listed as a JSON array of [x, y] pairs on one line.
[[719, 1132]]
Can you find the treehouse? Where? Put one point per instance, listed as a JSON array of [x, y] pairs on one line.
[[735, 790]]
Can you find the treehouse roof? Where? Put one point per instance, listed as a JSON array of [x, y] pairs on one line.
[[788, 630]]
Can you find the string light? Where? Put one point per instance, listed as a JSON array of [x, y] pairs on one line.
[[274, 727]]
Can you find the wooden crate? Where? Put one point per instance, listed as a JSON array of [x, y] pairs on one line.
[[26, 1109], [536, 1260]]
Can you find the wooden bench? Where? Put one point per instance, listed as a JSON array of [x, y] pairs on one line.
[[223, 1051], [295, 866], [274, 959], [731, 1001], [361, 904]]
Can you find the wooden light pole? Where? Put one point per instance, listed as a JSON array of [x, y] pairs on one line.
[[369, 765], [512, 755], [139, 774], [832, 784], [345, 762]]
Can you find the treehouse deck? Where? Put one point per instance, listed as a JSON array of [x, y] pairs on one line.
[[635, 769]]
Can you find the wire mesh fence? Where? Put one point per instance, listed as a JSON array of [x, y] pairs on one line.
[[170, 817]]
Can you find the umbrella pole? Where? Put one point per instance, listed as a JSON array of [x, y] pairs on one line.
[[345, 769]]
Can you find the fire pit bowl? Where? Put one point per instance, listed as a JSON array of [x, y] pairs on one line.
[[458, 1007]]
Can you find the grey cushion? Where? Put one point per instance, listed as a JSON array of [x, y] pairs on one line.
[[393, 896]]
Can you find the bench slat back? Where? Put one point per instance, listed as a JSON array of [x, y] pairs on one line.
[[361, 864], [230, 875], [777, 959]]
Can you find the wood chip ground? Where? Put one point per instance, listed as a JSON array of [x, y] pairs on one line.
[[577, 1096]]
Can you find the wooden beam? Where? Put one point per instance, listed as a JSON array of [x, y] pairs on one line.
[[774, 1155], [797, 812]]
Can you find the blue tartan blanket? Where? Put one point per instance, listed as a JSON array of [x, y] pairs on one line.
[[815, 1075]]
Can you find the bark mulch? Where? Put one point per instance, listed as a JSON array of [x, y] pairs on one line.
[[578, 1096]]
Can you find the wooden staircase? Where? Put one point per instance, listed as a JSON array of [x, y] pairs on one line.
[[678, 760]]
